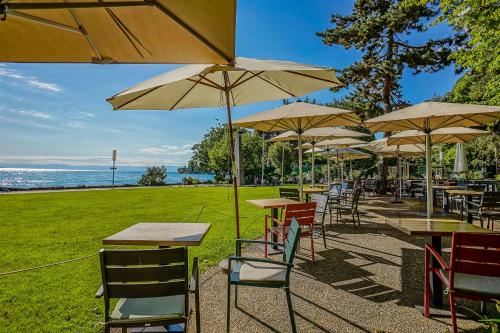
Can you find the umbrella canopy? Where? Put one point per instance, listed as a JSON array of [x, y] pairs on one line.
[[346, 154], [299, 117], [381, 147], [317, 135], [341, 143], [246, 81], [144, 31], [460, 159], [430, 116], [441, 135]]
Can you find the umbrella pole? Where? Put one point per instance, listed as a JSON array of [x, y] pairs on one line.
[[338, 163], [328, 165], [350, 168], [397, 187], [428, 167], [282, 163], [300, 164], [263, 159], [233, 162], [312, 165]]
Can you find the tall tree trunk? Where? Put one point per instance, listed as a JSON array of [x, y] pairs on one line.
[[388, 85]]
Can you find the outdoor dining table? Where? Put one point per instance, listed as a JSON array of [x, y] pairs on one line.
[[468, 195], [436, 228], [274, 204], [446, 198], [313, 190], [161, 234]]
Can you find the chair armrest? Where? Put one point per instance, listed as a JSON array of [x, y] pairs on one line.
[[238, 258], [100, 292], [429, 250], [194, 283]]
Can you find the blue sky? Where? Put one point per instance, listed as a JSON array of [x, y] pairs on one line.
[[57, 113]]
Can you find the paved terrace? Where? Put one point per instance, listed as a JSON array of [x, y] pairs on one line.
[[367, 280]]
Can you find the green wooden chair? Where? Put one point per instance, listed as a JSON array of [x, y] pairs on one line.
[[264, 273], [151, 286]]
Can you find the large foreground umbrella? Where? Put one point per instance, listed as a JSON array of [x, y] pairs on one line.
[[430, 116], [121, 31], [299, 117], [460, 159], [246, 81], [317, 135]]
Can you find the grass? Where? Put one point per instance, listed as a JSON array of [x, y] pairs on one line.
[[42, 228]]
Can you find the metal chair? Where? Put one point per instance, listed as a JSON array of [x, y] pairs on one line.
[[489, 208], [263, 273], [472, 272], [289, 193], [351, 206], [321, 208], [151, 286]]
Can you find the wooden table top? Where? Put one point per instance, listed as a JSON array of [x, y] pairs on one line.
[[432, 227], [272, 203], [466, 193], [447, 187], [161, 234], [314, 190]]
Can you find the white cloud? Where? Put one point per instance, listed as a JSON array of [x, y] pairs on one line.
[[86, 114], [29, 80], [169, 150], [32, 113], [76, 124]]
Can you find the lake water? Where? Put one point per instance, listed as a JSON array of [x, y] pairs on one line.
[[31, 178]]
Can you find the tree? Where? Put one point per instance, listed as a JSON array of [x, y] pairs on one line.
[[154, 176], [275, 153], [378, 29], [199, 162]]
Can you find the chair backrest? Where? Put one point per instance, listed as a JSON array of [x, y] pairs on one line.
[[491, 200], [304, 213], [291, 242], [354, 199], [144, 274], [321, 207], [475, 253], [290, 193], [335, 189]]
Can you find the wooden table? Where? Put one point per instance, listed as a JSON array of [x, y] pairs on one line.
[[437, 229], [274, 204], [468, 195], [446, 201], [161, 234], [312, 190]]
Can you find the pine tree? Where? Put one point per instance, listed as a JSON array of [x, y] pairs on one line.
[[378, 28]]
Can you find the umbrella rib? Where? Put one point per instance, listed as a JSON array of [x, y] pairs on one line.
[[135, 98], [245, 80], [212, 82], [238, 79], [314, 77], [275, 85], [189, 29], [124, 32], [186, 93], [44, 21], [204, 83]]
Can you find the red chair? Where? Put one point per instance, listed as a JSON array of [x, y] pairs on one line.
[[304, 213], [473, 272]]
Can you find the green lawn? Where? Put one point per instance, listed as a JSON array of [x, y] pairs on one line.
[[36, 229]]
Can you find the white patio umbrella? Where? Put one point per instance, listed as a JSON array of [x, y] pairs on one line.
[[460, 159], [120, 31], [341, 154], [299, 117], [317, 135], [245, 81], [429, 116]]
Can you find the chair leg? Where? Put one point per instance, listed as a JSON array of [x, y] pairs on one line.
[[357, 214], [265, 239], [324, 235], [228, 311], [427, 288], [353, 220], [236, 296], [198, 314], [453, 314], [107, 329], [290, 310], [124, 330], [312, 245]]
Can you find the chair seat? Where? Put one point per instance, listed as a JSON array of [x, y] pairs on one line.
[[487, 286], [262, 272], [490, 213], [152, 307]]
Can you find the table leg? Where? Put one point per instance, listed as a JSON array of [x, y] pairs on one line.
[[469, 210], [434, 197], [446, 202], [437, 285]]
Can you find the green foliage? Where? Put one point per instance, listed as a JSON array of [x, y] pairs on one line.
[[154, 176], [212, 153], [46, 228], [276, 152], [491, 319]]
